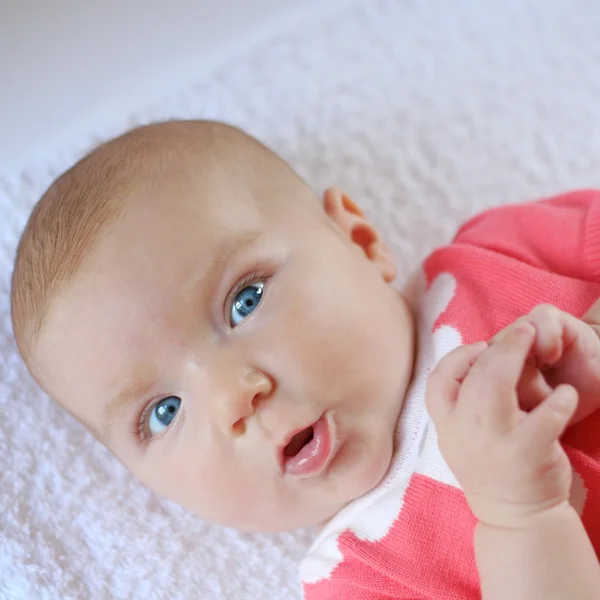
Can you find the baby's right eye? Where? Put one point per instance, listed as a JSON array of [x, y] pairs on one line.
[[246, 302], [162, 414]]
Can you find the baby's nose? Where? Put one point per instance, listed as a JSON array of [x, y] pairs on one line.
[[244, 397]]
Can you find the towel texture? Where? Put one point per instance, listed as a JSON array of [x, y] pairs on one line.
[[426, 112]]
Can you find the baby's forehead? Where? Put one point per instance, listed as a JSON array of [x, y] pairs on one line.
[[216, 200], [196, 206]]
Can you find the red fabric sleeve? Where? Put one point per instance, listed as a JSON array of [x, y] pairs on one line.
[[559, 234]]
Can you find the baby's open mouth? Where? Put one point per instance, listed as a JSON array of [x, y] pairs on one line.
[[309, 451], [298, 442]]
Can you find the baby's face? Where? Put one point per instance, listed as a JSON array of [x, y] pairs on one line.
[[210, 326]]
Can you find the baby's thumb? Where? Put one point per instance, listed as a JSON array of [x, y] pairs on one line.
[[546, 423]]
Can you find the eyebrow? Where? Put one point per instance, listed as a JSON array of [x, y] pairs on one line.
[[139, 388]]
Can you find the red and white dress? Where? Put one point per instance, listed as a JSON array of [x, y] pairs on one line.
[[412, 536]]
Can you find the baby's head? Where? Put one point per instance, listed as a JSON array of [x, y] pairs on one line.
[[183, 293]]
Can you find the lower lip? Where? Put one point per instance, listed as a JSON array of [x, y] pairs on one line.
[[315, 456]]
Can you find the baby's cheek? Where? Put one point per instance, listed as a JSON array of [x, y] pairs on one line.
[[364, 460], [234, 492]]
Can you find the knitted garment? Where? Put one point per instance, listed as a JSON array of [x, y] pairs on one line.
[[412, 536]]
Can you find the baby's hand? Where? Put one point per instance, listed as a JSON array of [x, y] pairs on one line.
[[508, 462], [565, 350]]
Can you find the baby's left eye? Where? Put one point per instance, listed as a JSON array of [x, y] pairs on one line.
[[246, 301]]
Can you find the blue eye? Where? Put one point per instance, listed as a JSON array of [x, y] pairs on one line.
[[162, 414], [246, 301]]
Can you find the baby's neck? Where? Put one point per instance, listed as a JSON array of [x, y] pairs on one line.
[[412, 291]]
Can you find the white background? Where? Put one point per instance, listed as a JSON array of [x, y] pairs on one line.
[[67, 63]]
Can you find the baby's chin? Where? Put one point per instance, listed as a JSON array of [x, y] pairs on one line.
[[347, 490], [373, 472], [361, 476]]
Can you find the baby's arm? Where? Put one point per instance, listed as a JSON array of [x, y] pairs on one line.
[[529, 543], [548, 557]]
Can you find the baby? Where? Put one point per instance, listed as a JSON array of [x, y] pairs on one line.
[[238, 346]]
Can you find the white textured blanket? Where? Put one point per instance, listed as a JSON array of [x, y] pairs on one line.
[[425, 111]]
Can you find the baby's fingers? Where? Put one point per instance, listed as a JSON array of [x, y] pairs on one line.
[[489, 389], [546, 423], [553, 328], [532, 388], [548, 322], [445, 380]]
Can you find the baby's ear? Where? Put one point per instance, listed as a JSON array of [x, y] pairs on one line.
[[353, 224]]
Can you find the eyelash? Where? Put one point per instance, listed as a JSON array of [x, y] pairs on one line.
[[139, 424]]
